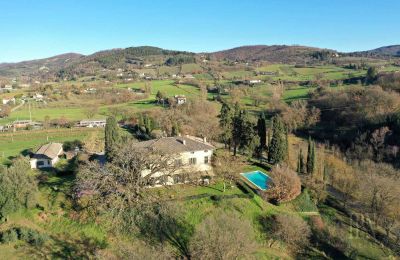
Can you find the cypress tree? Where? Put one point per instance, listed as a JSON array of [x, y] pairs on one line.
[[300, 163], [262, 131], [310, 156], [277, 150], [225, 122], [111, 136]]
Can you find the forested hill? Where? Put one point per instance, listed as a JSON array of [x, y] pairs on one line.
[[274, 53], [386, 51]]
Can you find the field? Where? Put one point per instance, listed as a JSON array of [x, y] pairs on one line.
[[13, 144]]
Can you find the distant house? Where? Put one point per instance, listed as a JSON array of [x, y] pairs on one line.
[[8, 101], [188, 76], [92, 123], [8, 87], [180, 99], [191, 155], [38, 97], [47, 156], [21, 123], [254, 81]]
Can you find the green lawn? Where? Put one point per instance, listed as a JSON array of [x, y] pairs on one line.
[[12, 144]]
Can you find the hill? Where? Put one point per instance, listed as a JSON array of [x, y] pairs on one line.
[[274, 53], [40, 65], [392, 50]]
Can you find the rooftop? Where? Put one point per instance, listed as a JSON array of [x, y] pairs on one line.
[[50, 150], [177, 144]]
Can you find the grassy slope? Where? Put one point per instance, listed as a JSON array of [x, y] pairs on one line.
[[12, 144]]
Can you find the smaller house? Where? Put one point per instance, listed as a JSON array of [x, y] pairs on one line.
[[92, 123], [180, 99], [38, 97], [21, 123], [47, 156], [188, 76], [8, 101], [254, 81], [8, 87]]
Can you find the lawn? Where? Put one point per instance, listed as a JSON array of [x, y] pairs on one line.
[[12, 144]]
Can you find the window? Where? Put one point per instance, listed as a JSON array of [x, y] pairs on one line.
[[39, 163], [192, 161], [206, 159]]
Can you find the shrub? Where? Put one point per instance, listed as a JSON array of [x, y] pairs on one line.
[[9, 236], [285, 185]]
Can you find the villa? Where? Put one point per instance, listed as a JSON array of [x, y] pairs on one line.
[[192, 155], [92, 123], [47, 156]]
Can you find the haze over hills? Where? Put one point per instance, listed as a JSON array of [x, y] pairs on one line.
[[133, 57]]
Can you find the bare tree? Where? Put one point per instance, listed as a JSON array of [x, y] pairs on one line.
[[285, 185], [222, 236], [120, 185], [227, 167], [291, 229]]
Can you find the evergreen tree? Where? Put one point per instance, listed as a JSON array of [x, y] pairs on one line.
[[225, 122], [300, 163], [262, 131], [111, 136], [244, 136], [310, 156], [277, 149]]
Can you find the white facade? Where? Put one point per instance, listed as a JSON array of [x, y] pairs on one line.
[[37, 163]]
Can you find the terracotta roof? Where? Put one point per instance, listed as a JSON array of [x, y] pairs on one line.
[[178, 144], [50, 150]]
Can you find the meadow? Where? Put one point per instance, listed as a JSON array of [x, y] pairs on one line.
[[13, 144]]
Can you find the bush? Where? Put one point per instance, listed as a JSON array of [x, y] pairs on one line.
[[9, 236], [27, 235], [285, 185]]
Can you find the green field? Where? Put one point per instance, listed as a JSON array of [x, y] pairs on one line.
[[13, 144]]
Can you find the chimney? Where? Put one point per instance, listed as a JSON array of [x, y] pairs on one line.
[[204, 139], [183, 142]]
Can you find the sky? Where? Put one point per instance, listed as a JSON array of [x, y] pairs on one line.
[[32, 29]]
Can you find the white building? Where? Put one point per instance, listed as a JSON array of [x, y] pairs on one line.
[[47, 156], [92, 123], [191, 156], [180, 99], [8, 101]]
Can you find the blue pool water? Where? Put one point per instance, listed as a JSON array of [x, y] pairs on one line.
[[258, 178]]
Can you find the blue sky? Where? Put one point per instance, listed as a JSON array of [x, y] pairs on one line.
[[36, 29]]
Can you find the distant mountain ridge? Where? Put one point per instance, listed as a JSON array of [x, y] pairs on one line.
[[271, 53], [392, 50], [68, 64]]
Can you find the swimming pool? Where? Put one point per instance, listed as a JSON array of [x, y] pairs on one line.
[[258, 178]]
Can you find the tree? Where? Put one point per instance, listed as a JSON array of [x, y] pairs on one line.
[[120, 184], [277, 149], [371, 76], [292, 230], [262, 131], [222, 236], [310, 157], [160, 96], [227, 167], [225, 122], [301, 166], [91, 111], [111, 136], [284, 185], [243, 133], [18, 187]]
